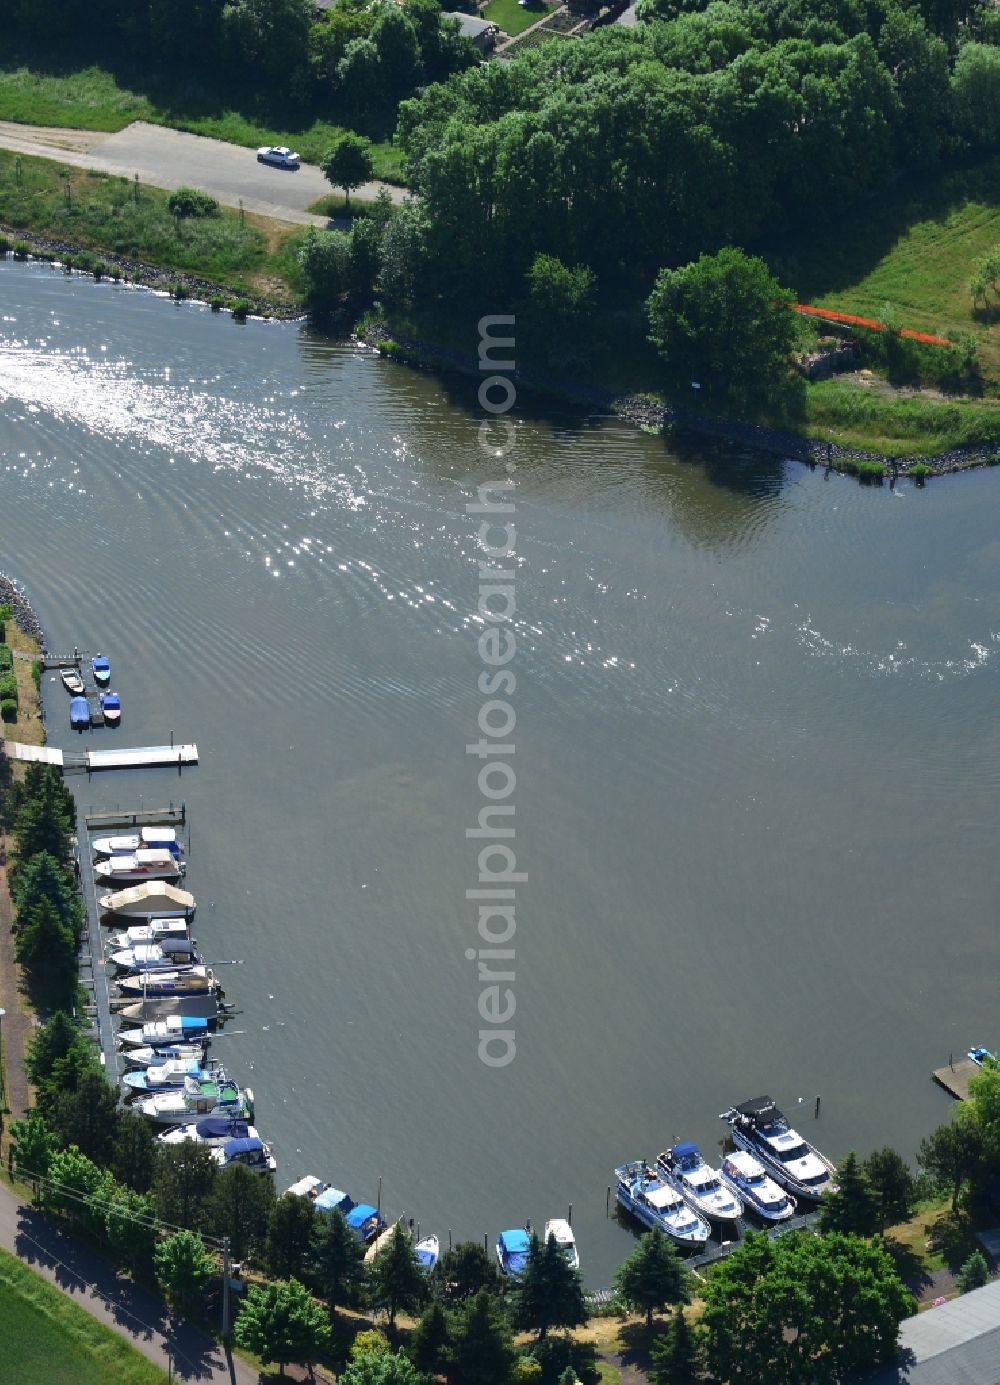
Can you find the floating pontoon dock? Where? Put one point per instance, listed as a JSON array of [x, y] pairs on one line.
[[142, 757]]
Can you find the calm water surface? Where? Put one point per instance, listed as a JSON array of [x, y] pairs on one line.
[[757, 750]]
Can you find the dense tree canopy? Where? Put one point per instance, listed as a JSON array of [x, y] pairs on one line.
[[803, 1307], [280, 1322]]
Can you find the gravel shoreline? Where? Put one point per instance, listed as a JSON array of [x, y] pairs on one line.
[[27, 622], [150, 276], [653, 416]]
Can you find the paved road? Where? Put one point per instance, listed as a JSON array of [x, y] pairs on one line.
[[168, 158], [128, 1310]]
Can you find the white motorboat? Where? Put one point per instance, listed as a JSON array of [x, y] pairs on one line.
[[175, 1029], [762, 1130], [159, 956], [190, 980], [210, 1130], [565, 1240], [643, 1192], [146, 839], [72, 681], [160, 1077], [198, 1097], [141, 933], [150, 1055], [154, 899], [154, 863], [746, 1178], [684, 1168], [427, 1250]]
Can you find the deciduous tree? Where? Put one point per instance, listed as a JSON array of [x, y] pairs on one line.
[[952, 1154], [281, 1322], [183, 1268], [349, 163]]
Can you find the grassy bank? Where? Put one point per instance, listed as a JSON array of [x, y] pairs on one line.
[[920, 424], [94, 99], [46, 1337], [114, 215]]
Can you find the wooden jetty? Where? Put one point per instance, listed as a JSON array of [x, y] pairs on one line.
[[85, 761], [954, 1077], [149, 817]]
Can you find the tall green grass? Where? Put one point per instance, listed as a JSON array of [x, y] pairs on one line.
[[46, 1337], [912, 425], [94, 209]]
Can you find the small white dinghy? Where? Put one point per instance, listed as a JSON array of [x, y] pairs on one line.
[[560, 1228]]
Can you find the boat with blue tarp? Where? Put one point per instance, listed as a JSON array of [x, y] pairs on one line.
[[513, 1248], [333, 1200], [365, 1221], [79, 713], [101, 666], [249, 1151], [174, 1029]]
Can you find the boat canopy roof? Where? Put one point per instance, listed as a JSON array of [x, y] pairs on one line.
[[214, 1127], [663, 1196], [332, 1198], [100, 661], [110, 699], [687, 1153], [155, 856], [245, 1144], [170, 947], [187, 1024], [150, 889], [760, 1110], [156, 836], [361, 1213], [306, 1185], [515, 1242], [78, 706]]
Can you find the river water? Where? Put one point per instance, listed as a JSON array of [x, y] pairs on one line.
[[757, 751]]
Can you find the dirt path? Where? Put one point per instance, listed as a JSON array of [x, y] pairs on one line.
[[48, 141]]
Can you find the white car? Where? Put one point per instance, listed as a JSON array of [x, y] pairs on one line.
[[278, 155]]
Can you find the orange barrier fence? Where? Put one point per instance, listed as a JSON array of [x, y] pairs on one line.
[[852, 320]]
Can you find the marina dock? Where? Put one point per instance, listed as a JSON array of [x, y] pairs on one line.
[[954, 1077], [86, 761]]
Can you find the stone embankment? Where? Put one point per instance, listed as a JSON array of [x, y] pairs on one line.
[[137, 272], [654, 416], [27, 622]]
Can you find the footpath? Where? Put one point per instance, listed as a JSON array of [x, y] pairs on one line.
[[135, 1314]]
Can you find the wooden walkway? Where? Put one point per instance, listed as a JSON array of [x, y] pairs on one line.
[[954, 1077]]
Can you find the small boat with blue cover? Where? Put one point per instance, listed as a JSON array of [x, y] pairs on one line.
[[101, 667], [111, 707], [513, 1248], [249, 1151], [684, 1168], [644, 1194], [979, 1055], [365, 1221], [210, 1130], [79, 714]]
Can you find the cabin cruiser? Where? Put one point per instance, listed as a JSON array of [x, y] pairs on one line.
[[191, 980], [147, 839], [198, 1097], [250, 1151], [209, 1130], [685, 1168], [154, 899], [156, 863], [643, 1193], [174, 1029], [168, 952], [141, 933], [762, 1130], [162, 1077], [745, 1177]]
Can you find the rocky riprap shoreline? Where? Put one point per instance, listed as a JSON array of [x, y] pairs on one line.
[[152, 276], [654, 416], [27, 622]]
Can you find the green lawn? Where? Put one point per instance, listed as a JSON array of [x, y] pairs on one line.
[[92, 99], [45, 1337], [102, 211], [909, 252], [514, 18]]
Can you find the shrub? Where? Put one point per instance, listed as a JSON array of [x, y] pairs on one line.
[[8, 686], [68, 262], [870, 472], [5, 245], [6, 654], [178, 290], [241, 310], [216, 302], [189, 202], [8, 709], [85, 261], [116, 273], [21, 250], [920, 473], [974, 1273], [36, 674], [99, 270]]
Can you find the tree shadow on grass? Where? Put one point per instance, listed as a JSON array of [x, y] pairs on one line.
[[637, 1342], [909, 1266], [830, 259]]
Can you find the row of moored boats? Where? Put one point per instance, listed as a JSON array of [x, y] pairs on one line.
[[173, 1003], [79, 708], [770, 1174]]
